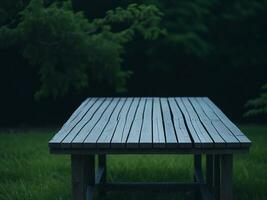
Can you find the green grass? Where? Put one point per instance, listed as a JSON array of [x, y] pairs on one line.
[[28, 171]]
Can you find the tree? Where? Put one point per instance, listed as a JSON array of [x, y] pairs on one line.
[[258, 105], [68, 50], [9, 10]]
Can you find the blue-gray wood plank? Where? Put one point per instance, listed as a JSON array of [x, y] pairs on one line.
[[74, 119], [158, 134], [121, 134], [179, 124], [135, 131], [171, 139], [107, 134], [149, 123], [146, 131]]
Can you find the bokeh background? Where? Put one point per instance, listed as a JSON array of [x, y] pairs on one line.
[[202, 48]]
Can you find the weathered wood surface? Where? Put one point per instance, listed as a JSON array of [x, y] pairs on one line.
[[149, 123]]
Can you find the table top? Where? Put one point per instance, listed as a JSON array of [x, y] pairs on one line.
[[148, 123]]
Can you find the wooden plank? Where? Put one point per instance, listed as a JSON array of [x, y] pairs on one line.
[[84, 127], [158, 129], [92, 137], [196, 139], [149, 186], [229, 138], [179, 124], [87, 115], [134, 135], [65, 125], [159, 122], [216, 137], [171, 140], [88, 151], [122, 130], [206, 141], [79, 110], [245, 142], [207, 110], [146, 131], [72, 122], [106, 136], [231, 141]]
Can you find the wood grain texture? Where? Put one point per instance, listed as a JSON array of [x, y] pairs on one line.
[[149, 123], [92, 137], [244, 141], [158, 129], [73, 121], [146, 131], [106, 136], [124, 125], [216, 137], [85, 128], [206, 140], [135, 131], [171, 140], [179, 124]]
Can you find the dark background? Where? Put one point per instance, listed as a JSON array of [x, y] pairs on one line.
[[227, 62]]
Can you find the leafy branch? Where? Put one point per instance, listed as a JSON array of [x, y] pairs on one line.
[[258, 105], [70, 52]]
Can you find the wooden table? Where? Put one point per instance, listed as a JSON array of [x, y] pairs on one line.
[[196, 126]]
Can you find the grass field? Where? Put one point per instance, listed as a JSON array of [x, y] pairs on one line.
[[29, 172]]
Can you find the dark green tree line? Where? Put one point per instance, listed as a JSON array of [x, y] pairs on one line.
[[210, 48], [258, 105], [67, 49]]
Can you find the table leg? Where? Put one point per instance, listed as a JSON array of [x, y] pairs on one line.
[[83, 176], [217, 173], [197, 162], [197, 167], [209, 171], [102, 166], [102, 162], [226, 185]]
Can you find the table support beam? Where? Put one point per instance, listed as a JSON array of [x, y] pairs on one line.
[[218, 178], [226, 182], [102, 172], [83, 176], [210, 171], [197, 172], [144, 186], [217, 174], [102, 164]]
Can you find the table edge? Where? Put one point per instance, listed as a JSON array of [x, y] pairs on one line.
[[148, 151]]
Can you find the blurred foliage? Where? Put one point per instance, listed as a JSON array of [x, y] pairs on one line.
[[258, 105], [213, 48], [187, 24], [68, 49], [250, 46], [232, 28], [9, 10], [227, 36]]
